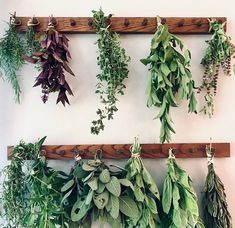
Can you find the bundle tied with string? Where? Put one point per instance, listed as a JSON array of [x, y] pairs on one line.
[[145, 191], [214, 200]]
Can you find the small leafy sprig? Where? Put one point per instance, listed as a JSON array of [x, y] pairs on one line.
[[145, 191], [101, 195], [15, 188], [53, 60], [171, 79], [11, 51], [179, 199], [214, 200], [218, 55], [113, 63]]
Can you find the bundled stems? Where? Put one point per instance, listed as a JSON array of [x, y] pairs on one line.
[[113, 61], [171, 79], [218, 55]]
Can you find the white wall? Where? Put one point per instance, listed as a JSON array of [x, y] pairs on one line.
[[71, 125]]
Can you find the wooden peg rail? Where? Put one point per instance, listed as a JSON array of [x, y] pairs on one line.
[[121, 151], [177, 25]]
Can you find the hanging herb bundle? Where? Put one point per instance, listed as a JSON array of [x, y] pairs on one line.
[[171, 79], [15, 189], [145, 191], [113, 63], [53, 59], [218, 54], [179, 199], [102, 195], [11, 52], [214, 200]]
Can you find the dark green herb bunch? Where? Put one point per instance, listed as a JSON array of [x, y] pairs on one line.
[[214, 200], [171, 79], [218, 55], [113, 64], [145, 190], [11, 51], [15, 188], [179, 199], [102, 195], [45, 196]]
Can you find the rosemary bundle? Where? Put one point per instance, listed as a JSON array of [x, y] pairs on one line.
[[113, 62], [218, 55], [179, 201], [214, 200], [171, 79], [145, 191], [11, 51]]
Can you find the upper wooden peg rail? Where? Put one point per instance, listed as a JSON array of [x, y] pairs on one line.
[[177, 25], [122, 151]]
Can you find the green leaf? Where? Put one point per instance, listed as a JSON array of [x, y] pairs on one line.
[[165, 69], [114, 186], [67, 186], [89, 197], [128, 207], [114, 212], [105, 176], [101, 200], [167, 195], [126, 183], [93, 183]]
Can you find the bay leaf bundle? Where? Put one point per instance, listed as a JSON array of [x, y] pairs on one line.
[[145, 190], [101, 195], [179, 200], [215, 206], [171, 79]]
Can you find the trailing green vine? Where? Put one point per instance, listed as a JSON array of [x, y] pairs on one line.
[[113, 64], [179, 200], [218, 55], [214, 200], [171, 79], [11, 52], [146, 193]]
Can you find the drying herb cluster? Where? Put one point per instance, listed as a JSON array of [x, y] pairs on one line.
[[218, 55], [113, 63], [11, 52], [179, 200], [53, 58], [98, 193], [214, 200], [171, 79], [146, 193]]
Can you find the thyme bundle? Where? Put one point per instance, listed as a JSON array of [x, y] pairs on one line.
[[171, 79], [179, 199], [218, 55], [11, 52], [214, 200], [113, 62]]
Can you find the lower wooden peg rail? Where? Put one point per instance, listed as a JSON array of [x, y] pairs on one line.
[[122, 151]]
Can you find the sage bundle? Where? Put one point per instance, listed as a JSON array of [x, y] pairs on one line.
[[218, 55], [179, 200], [171, 79], [214, 200], [101, 195], [11, 52], [113, 63], [145, 191], [53, 58], [15, 188]]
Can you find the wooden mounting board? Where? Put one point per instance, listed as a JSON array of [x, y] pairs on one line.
[[121, 151], [177, 25]]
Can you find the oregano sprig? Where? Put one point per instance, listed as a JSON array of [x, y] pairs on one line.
[[11, 52], [171, 79], [113, 63], [218, 55], [215, 206]]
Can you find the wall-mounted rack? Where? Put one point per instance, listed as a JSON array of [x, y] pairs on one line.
[[177, 25], [122, 151]]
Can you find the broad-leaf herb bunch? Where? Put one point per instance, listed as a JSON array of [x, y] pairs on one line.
[[113, 63], [171, 79], [11, 57], [218, 55]]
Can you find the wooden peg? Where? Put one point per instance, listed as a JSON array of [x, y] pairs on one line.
[[126, 22]]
